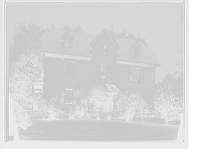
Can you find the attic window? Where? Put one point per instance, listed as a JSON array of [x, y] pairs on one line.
[[66, 40], [136, 74], [66, 43], [105, 50]]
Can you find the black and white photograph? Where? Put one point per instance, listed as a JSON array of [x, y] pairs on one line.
[[102, 72]]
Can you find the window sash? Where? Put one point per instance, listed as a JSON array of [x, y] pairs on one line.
[[136, 74]]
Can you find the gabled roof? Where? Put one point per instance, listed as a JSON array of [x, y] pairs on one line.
[[146, 54], [111, 38], [135, 43], [67, 33], [51, 42]]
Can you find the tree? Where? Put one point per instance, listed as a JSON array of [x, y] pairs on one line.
[[74, 29], [128, 35], [127, 104], [25, 67], [168, 81], [98, 95], [169, 106]]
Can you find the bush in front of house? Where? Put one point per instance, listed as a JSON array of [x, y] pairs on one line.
[[169, 106], [98, 95], [51, 107], [143, 109], [81, 98], [128, 103]]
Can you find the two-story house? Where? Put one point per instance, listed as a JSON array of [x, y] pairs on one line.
[[74, 58]]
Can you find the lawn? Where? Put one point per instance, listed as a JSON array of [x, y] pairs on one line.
[[98, 130]]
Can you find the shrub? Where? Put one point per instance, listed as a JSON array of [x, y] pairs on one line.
[[97, 96], [52, 106], [128, 103], [81, 102], [19, 114], [142, 108], [169, 106]]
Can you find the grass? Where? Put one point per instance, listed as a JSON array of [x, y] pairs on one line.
[[92, 129]]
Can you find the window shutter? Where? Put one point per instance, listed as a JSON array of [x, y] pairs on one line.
[[141, 74], [110, 71], [98, 71]]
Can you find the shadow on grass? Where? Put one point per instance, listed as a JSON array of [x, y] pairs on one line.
[[134, 121]]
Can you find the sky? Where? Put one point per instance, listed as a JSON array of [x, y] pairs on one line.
[[161, 24]]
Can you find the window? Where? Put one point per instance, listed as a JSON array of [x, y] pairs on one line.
[[67, 43], [37, 88], [67, 97], [104, 71], [136, 74], [105, 50], [69, 69], [135, 49]]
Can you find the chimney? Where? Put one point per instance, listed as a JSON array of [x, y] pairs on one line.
[[111, 29]]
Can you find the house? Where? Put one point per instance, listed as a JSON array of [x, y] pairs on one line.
[[75, 58]]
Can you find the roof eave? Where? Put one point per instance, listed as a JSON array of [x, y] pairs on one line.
[[68, 55], [135, 62]]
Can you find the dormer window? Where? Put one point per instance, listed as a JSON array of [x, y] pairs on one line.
[[105, 50], [135, 49], [66, 43], [136, 74], [67, 40]]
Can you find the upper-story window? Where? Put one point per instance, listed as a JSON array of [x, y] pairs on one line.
[[104, 71], [136, 74], [135, 49], [66, 43], [66, 40], [105, 50]]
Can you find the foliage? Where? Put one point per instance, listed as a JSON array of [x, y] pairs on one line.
[[169, 106], [52, 106], [168, 81], [74, 29], [27, 68], [128, 35], [81, 102], [71, 112], [127, 104], [144, 109], [21, 116], [98, 95]]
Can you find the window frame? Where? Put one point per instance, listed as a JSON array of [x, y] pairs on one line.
[[65, 41], [69, 101], [105, 50], [139, 76], [103, 73], [73, 69]]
